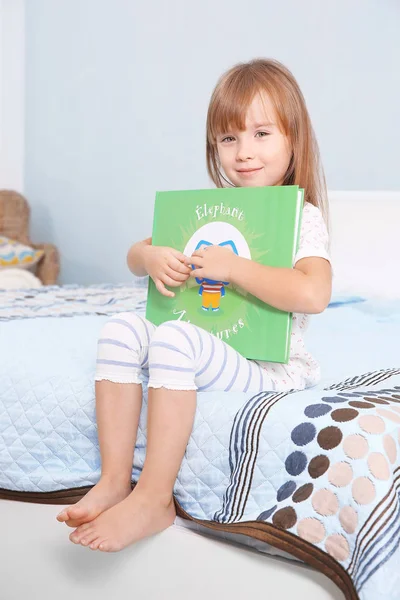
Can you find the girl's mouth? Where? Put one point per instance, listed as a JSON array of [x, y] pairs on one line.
[[248, 171]]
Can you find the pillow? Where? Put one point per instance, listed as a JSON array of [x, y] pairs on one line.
[[15, 254], [18, 279], [365, 243]]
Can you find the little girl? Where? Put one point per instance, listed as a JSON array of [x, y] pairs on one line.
[[258, 134]]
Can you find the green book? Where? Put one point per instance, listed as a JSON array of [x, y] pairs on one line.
[[258, 223]]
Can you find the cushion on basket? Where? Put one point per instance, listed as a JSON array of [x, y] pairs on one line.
[[15, 254]]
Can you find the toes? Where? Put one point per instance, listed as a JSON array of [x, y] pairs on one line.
[[95, 543], [89, 537], [107, 545], [84, 527], [74, 522], [104, 545], [81, 532], [63, 515], [83, 518], [71, 515], [77, 512]]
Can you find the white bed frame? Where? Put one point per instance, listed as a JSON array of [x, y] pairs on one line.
[[37, 561]]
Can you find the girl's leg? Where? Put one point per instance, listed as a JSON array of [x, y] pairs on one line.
[[122, 354], [185, 358], [182, 358]]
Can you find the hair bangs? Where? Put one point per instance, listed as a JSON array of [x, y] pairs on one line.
[[229, 107]]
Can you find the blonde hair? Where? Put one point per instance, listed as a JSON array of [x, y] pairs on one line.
[[228, 106]]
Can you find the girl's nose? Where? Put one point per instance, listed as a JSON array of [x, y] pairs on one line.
[[244, 152]]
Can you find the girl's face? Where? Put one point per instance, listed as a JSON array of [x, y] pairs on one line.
[[260, 154]]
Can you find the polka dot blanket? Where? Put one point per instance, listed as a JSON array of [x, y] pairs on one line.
[[314, 473]]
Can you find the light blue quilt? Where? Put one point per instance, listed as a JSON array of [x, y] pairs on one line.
[[314, 473]]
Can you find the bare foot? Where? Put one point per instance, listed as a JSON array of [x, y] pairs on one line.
[[133, 519], [103, 495]]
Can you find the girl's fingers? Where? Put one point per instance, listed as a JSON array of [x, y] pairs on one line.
[[177, 276], [178, 266], [169, 281], [162, 289], [181, 257], [196, 260], [197, 273], [201, 251]]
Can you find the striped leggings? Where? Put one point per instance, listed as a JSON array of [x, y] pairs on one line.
[[177, 356]]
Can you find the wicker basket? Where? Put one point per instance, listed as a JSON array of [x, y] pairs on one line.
[[14, 223]]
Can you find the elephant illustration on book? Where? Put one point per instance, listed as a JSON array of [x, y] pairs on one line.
[[212, 291]]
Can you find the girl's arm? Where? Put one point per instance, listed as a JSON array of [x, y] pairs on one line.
[[304, 289], [135, 257]]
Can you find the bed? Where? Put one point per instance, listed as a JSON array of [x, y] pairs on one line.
[[290, 494]]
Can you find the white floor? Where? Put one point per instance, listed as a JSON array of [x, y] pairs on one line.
[[37, 561]]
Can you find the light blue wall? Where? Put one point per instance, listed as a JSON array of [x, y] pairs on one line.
[[117, 92]]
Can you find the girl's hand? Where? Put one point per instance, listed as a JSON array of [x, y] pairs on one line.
[[165, 266], [213, 262]]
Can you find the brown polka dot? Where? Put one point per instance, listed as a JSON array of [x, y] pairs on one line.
[[376, 400], [360, 404], [318, 466], [338, 547], [285, 518], [303, 493], [341, 415], [329, 437]]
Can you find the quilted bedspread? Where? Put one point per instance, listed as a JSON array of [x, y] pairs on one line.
[[314, 473]]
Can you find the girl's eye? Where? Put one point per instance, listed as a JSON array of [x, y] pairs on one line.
[[228, 138], [262, 133]]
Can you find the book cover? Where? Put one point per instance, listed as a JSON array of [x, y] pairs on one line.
[[259, 223]]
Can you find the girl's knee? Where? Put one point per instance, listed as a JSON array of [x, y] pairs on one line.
[[131, 318], [172, 357], [169, 327], [175, 334], [173, 331], [127, 327], [122, 349]]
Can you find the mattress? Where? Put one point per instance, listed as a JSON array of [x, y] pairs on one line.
[[313, 474]]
